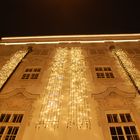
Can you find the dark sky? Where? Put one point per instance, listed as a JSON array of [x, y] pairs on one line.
[[65, 17]]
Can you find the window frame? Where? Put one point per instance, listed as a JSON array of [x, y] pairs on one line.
[[31, 73], [121, 124], [15, 125], [104, 72]]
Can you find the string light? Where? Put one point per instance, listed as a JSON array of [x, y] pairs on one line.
[[129, 66], [78, 106], [51, 106], [131, 71], [10, 66], [122, 73]]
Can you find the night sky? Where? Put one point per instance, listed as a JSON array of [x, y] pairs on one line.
[[68, 17]]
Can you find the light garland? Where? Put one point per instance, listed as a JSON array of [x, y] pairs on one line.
[[78, 114], [51, 106], [129, 66], [78, 107], [10, 66], [131, 71], [122, 72]]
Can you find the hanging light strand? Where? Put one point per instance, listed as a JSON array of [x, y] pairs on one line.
[[129, 68], [78, 114], [51, 106], [10, 66]]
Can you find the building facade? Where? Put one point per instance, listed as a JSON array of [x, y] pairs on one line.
[[70, 87]]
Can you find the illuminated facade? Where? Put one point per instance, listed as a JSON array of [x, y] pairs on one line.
[[70, 87]]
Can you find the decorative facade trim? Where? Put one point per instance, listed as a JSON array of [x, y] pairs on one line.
[[113, 90], [17, 91]]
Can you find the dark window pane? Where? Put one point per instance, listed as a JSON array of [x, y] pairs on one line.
[[2, 129], [109, 69], [98, 68], [35, 69], [34, 76], [119, 130], [111, 75], [9, 130], [39, 69], [2, 117], [26, 70], [133, 129], [129, 119], [127, 130], [30, 70], [112, 130], [105, 68], [122, 118], [12, 137], [20, 117], [107, 75], [121, 138], [14, 118], [114, 138], [130, 138], [15, 130], [7, 138], [25, 76], [115, 118], [109, 118], [7, 117], [136, 137], [102, 75]]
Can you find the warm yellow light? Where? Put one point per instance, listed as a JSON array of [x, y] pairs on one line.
[[78, 115], [130, 67], [10, 65], [51, 104], [68, 68]]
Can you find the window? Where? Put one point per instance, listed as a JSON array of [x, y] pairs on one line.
[[17, 118], [113, 118], [2, 128], [31, 73], [122, 127], [11, 133], [9, 125], [117, 133], [104, 72], [5, 117]]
